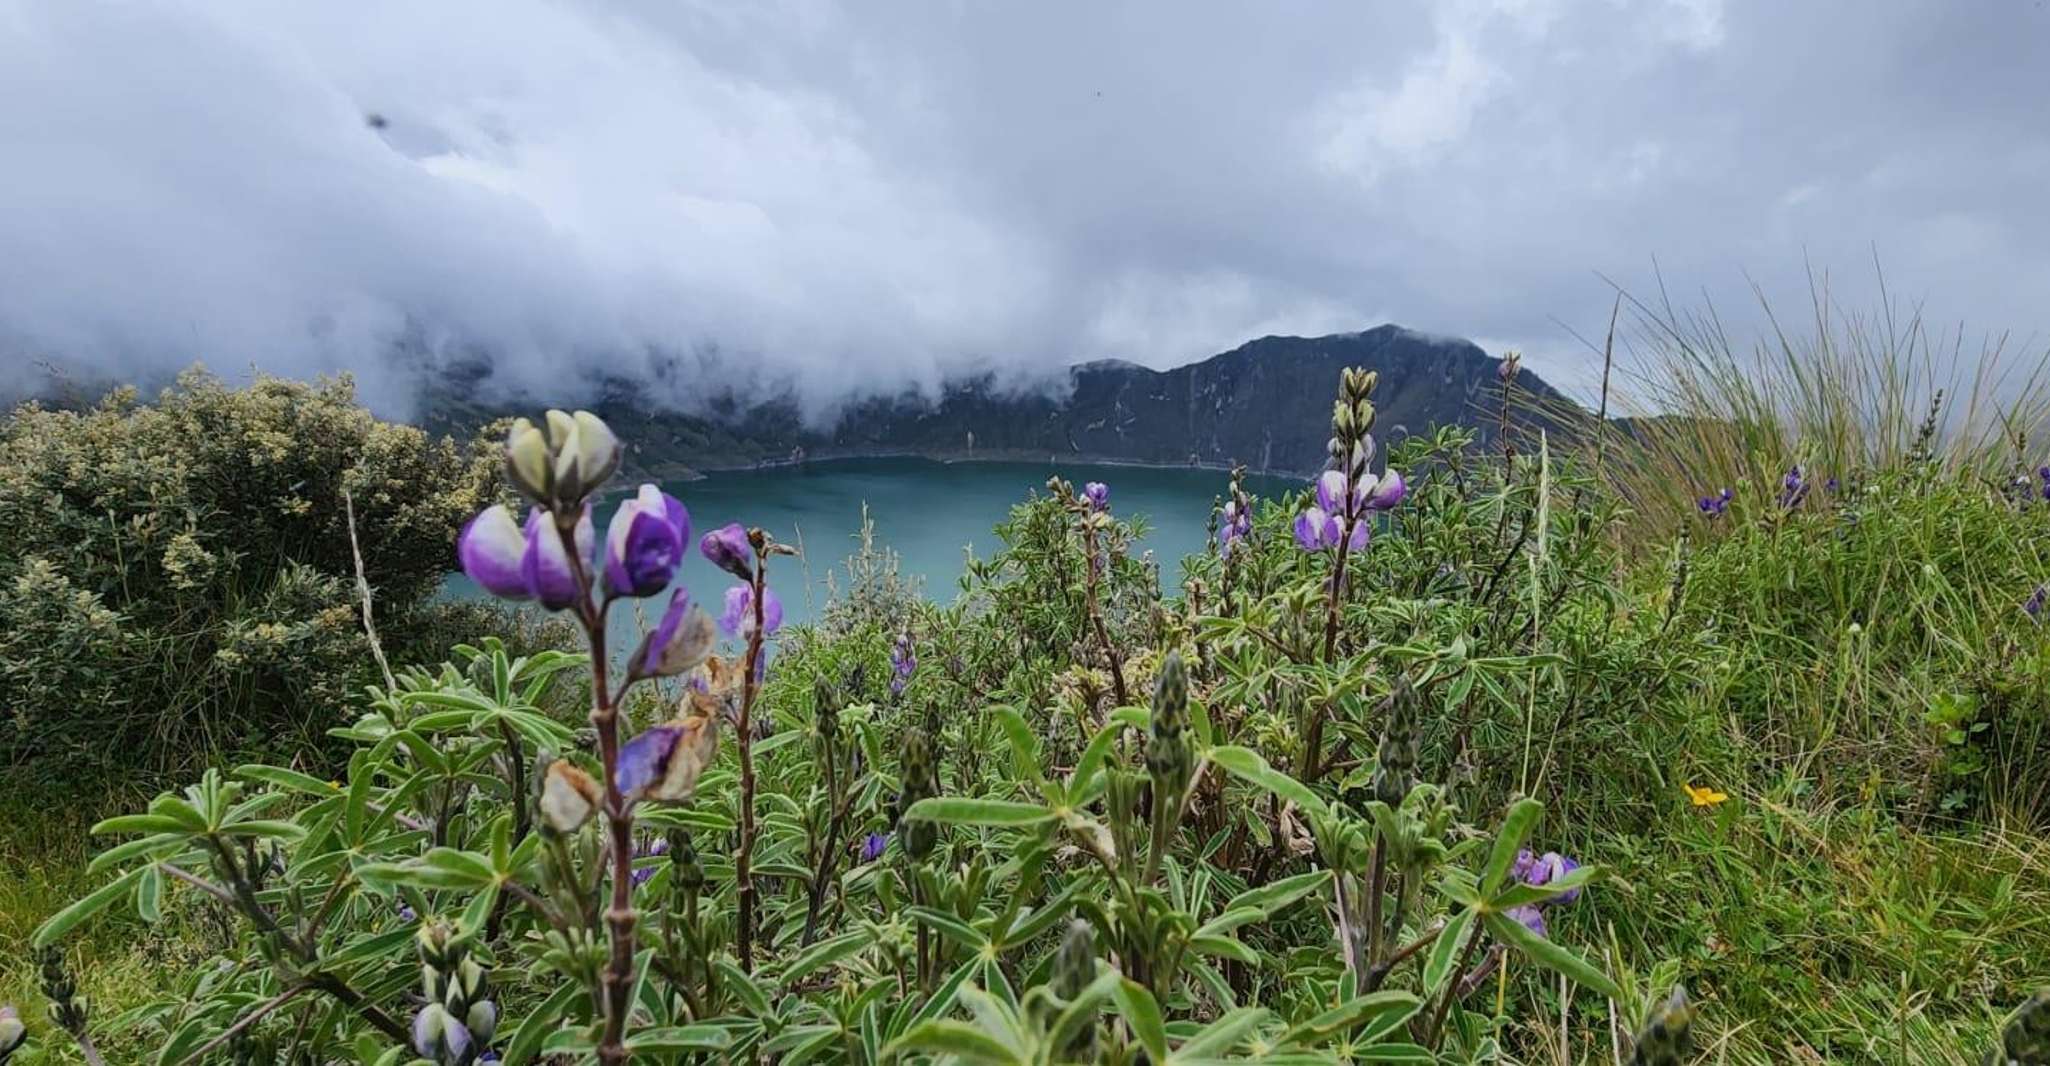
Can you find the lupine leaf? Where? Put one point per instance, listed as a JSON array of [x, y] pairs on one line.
[[1247, 765], [952, 810], [63, 921], [1549, 954]]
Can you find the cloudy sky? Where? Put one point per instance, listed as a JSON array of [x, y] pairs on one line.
[[862, 196]]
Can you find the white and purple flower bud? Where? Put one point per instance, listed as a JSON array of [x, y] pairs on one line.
[[728, 549], [1387, 492], [550, 577], [645, 543], [490, 548], [738, 620], [1098, 495], [680, 641], [569, 797], [439, 1037], [13, 1032], [482, 1020]]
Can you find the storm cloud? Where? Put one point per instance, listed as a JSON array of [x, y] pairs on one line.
[[844, 198]]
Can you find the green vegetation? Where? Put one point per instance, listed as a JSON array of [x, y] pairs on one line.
[[180, 579], [1794, 738]]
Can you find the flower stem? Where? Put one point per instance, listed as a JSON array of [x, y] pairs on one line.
[[743, 877]]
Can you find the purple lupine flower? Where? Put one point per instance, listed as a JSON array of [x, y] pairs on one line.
[[903, 662], [1317, 529], [1793, 487], [644, 544], [738, 620], [1830, 486], [550, 576], [872, 846], [517, 563], [2033, 606], [1238, 525], [728, 549], [1098, 495], [641, 874], [2043, 475], [1533, 869], [407, 915], [1713, 507], [1530, 916], [681, 639], [439, 1037], [1386, 493]]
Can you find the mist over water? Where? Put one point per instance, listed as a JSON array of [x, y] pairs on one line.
[[930, 513]]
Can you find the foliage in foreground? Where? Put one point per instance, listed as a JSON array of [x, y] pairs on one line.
[[1292, 814]]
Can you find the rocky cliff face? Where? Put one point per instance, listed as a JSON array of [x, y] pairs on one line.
[[1266, 403]]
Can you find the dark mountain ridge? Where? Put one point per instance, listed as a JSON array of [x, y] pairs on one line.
[[1266, 403]]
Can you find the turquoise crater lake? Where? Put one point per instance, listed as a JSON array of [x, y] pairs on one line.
[[928, 512]]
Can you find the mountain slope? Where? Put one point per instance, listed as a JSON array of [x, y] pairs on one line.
[[1266, 403]]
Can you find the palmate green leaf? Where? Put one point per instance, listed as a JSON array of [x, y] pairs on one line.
[[951, 810], [826, 953], [1516, 827], [952, 928], [1024, 744], [1375, 1006], [1082, 1012], [539, 1022], [1224, 947], [1222, 1035], [98, 900], [160, 846], [1549, 954], [679, 1038], [1273, 896], [1247, 765], [959, 1039], [140, 823]]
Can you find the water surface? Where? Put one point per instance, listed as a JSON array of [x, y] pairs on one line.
[[930, 513]]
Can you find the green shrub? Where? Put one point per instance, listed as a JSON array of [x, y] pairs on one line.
[[179, 579]]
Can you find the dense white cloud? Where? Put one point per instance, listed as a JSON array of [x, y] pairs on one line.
[[853, 196]]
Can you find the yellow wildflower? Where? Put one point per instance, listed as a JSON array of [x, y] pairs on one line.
[[1704, 796]]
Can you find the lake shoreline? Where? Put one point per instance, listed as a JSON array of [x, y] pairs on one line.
[[699, 473]]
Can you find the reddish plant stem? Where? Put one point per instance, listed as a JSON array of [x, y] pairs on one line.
[[743, 877], [619, 913]]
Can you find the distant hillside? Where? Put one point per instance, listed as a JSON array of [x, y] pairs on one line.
[[1266, 403]]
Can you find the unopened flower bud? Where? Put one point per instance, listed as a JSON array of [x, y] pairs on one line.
[[440, 946], [1075, 966], [689, 875], [1665, 1038], [1395, 760], [482, 1020], [568, 797], [2025, 1041], [527, 463], [440, 1038], [728, 549], [13, 1033], [1167, 749]]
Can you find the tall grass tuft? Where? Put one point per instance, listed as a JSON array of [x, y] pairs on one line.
[[1836, 390]]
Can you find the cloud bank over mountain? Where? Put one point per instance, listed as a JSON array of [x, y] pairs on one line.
[[845, 198]]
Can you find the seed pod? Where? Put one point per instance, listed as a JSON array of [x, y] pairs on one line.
[[2026, 1039], [1395, 760], [1665, 1038]]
